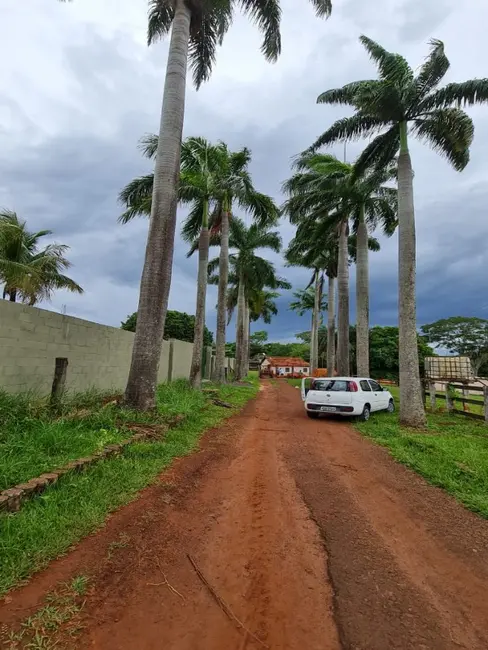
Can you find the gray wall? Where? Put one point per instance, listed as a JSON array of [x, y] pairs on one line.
[[98, 356]]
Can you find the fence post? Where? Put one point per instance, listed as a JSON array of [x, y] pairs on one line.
[[449, 400], [170, 359], [59, 380], [485, 396], [432, 395]]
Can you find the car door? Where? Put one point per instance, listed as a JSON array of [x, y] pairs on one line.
[[367, 395], [306, 383], [377, 396]]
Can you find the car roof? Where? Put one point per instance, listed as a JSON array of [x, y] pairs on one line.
[[345, 378]]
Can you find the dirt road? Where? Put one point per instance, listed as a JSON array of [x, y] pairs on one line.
[[313, 537]]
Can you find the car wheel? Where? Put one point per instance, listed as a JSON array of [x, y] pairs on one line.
[[364, 417], [312, 414], [391, 406]]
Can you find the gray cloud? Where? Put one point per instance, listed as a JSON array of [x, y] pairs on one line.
[[85, 88]]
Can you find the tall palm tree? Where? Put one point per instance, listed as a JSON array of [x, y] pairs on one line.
[[28, 272], [250, 272], [312, 299], [397, 104], [197, 28], [365, 200], [199, 164], [234, 187]]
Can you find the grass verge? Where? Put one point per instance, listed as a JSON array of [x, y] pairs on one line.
[[452, 454], [35, 439], [79, 503]]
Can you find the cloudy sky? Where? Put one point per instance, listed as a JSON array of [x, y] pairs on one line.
[[78, 87]]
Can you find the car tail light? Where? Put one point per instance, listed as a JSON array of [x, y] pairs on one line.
[[353, 387]]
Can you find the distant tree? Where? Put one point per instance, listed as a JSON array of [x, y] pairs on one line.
[[463, 335], [28, 272], [179, 325]]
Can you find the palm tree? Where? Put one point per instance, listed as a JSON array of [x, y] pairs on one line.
[[234, 187], [249, 272], [307, 248], [398, 103], [312, 299], [197, 29], [199, 164], [26, 271], [323, 179]]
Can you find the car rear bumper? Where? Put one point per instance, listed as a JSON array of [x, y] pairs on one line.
[[340, 409]]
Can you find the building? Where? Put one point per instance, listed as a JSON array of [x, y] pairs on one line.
[[285, 367]]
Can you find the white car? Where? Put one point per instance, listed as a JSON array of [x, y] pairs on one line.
[[347, 396]]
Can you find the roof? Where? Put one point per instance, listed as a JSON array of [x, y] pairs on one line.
[[288, 361]]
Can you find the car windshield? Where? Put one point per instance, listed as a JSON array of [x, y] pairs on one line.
[[331, 385]]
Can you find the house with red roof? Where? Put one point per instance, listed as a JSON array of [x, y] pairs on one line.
[[285, 366]]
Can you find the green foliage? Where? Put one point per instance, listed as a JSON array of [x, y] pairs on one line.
[[79, 503], [30, 273], [179, 325], [304, 300], [401, 99], [384, 349], [462, 335], [453, 457], [288, 350]]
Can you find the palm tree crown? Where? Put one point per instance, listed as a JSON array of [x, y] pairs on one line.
[[27, 271], [210, 21], [401, 98]]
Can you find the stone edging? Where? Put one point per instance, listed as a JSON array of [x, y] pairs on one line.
[[12, 498]]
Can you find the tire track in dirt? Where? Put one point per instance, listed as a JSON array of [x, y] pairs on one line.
[[408, 563], [315, 538]]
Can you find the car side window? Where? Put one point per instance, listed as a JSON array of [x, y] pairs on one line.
[[374, 385], [365, 385]]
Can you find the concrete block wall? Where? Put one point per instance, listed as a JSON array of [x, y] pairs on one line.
[[98, 355]]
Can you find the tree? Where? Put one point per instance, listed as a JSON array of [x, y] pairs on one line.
[[462, 335], [367, 201], [398, 103], [197, 29], [249, 272], [235, 187], [312, 299], [256, 342], [30, 273], [179, 325]]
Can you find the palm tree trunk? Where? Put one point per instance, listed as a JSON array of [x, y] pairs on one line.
[[412, 412], [362, 298], [12, 295], [343, 306], [314, 342], [241, 312], [219, 373], [156, 275], [203, 246], [245, 341], [331, 327]]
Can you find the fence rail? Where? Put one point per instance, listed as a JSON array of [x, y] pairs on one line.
[[451, 396]]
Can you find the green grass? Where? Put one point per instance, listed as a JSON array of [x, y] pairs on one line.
[[48, 525], [34, 439], [452, 453]]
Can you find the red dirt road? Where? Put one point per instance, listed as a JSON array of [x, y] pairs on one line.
[[313, 536]]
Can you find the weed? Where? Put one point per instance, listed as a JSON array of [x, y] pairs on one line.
[[123, 542], [79, 585], [79, 503]]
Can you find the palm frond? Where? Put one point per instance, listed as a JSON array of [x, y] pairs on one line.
[[357, 126], [160, 19], [392, 67], [323, 8], [345, 95], [467, 93], [449, 131], [148, 145], [381, 152], [267, 16], [433, 70]]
